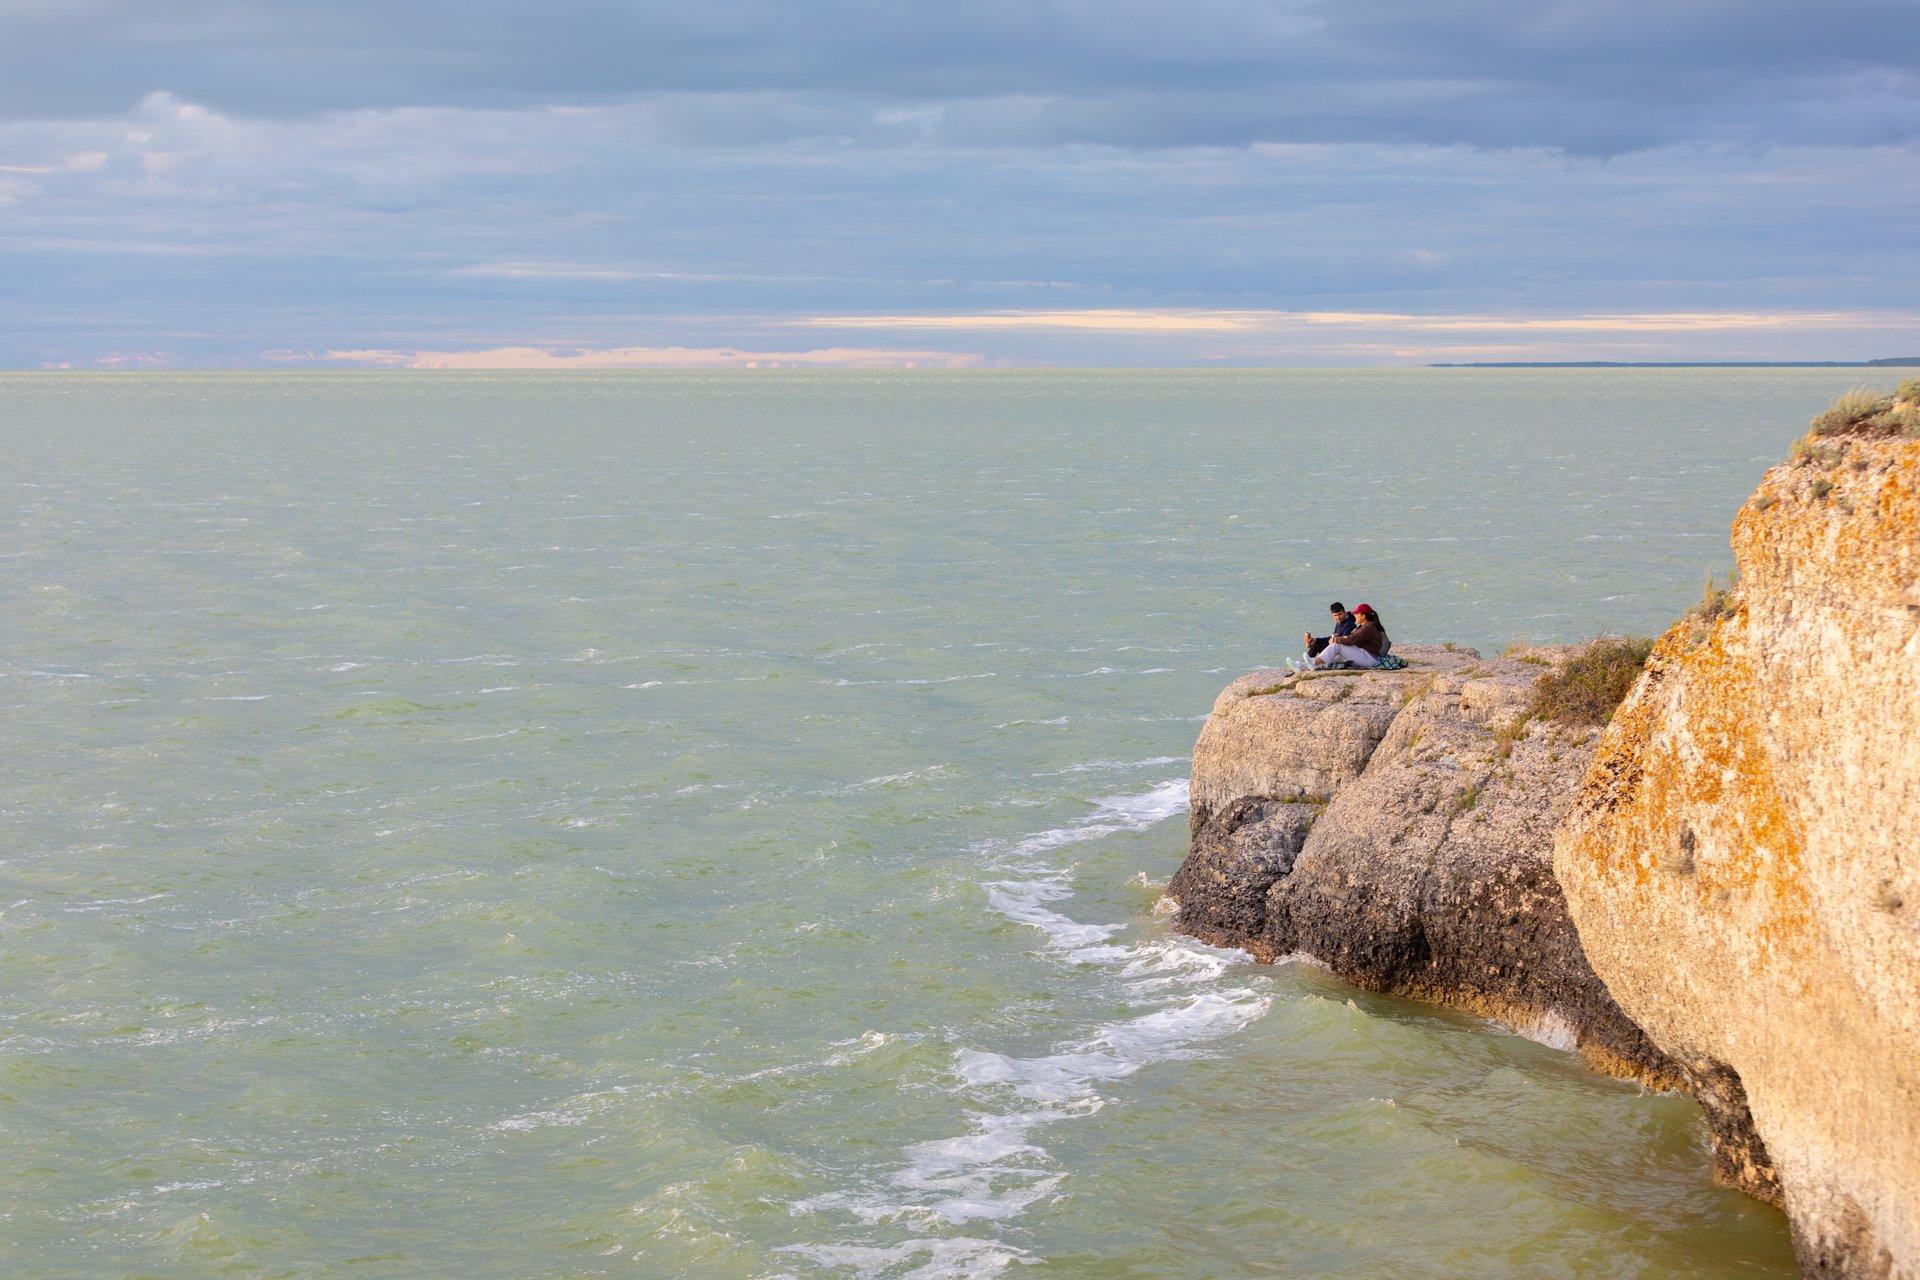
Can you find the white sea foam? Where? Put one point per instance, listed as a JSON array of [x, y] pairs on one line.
[[948, 1258], [1552, 1030], [998, 1168], [859, 1047], [1097, 766], [893, 779], [853, 684]]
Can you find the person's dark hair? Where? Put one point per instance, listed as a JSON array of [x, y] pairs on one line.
[[1336, 607], [1369, 610]]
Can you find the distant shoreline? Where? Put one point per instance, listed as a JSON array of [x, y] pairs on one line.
[[1898, 362]]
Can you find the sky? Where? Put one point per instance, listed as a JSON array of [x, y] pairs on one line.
[[591, 184]]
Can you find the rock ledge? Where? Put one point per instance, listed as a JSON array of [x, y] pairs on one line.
[[1399, 827]]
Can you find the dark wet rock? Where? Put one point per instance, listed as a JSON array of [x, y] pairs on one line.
[[1235, 860]]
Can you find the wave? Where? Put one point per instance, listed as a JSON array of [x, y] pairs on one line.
[[1096, 766], [936, 1258], [998, 1168], [892, 779]]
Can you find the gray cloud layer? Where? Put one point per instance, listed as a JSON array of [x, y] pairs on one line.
[[209, 181], [1586, 76]]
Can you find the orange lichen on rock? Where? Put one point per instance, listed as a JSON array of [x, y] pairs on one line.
[[1743, 861]]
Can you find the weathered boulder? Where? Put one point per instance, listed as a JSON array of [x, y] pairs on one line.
[[1399, 827], [1273, 734], [1234, 860], [1743, 861]]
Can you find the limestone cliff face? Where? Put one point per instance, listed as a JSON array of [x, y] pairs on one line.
[[1743, 861], [1399, 826]]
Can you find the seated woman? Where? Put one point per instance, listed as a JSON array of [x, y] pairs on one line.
[[1362, 648]]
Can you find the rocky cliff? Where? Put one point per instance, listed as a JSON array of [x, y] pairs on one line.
[[1399, 826], [1743, 862], [1720, 892]]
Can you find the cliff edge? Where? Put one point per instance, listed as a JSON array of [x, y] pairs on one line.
[[1743, 860], [1399, 827]]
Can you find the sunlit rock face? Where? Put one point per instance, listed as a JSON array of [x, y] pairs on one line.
[[1743, 860]]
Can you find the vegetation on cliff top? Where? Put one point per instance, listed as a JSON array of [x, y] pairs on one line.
[[1585, 689], [1864, 412]]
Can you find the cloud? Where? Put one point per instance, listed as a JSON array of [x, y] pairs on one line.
[[553, 271], [1095, 320], [530, 357], [460, 230], [1580, 76], [1184, 322], [613, 273], [1240, 180], [84, 162]]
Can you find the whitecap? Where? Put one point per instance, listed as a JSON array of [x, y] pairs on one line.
[[1021, 901], [943, 1258], [859, 1047], [856, 684], [1096, 766], [892, 779]]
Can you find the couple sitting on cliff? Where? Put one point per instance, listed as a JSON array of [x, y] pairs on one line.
[[1358, 640]]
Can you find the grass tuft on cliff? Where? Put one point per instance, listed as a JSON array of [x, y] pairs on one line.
[[1714, 602], [1864, 412], [1587, 688]]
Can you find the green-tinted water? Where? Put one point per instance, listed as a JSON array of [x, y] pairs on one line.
[[710, 825]]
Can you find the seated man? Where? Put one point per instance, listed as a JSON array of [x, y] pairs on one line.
[[1343, 625]]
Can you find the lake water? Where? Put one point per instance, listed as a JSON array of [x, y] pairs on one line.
[[710, 825]]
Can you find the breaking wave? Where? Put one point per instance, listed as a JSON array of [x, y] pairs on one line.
[[994, 1171]]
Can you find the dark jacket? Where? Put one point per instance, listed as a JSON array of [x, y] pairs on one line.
[[1341, 630]]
